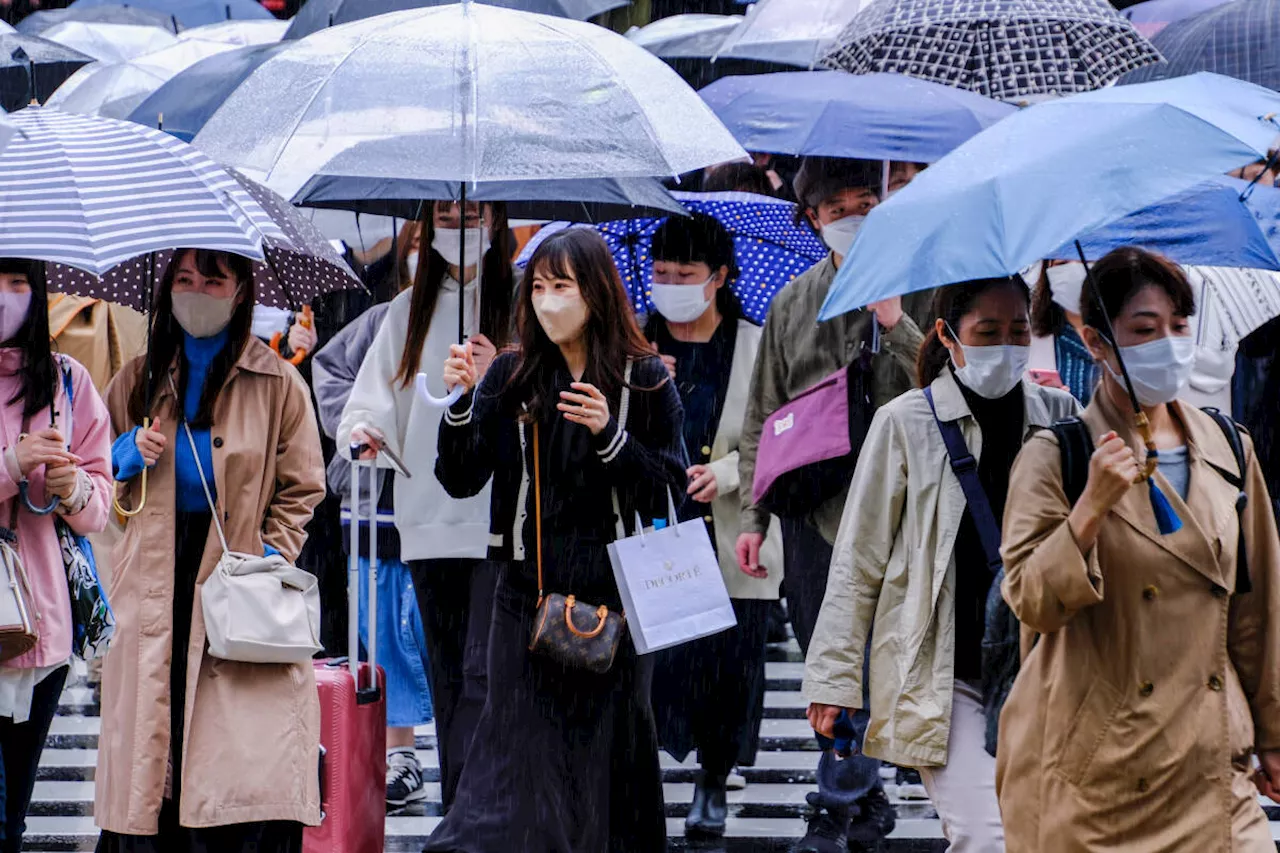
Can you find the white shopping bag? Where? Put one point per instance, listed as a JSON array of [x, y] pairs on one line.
[[671, 586]]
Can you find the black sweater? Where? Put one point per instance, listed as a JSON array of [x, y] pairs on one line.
[[481, 438]]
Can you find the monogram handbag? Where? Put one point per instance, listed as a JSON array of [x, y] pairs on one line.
[[570, 632], [257, 609]]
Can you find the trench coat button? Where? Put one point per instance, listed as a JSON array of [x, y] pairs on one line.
[[217, 442], [1219, 592], [707, 519], [1146, 689], [1215, 683], [706, 451], [1151, 592], [1143, 786]]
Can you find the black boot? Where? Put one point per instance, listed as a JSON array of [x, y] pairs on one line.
[[710, 809]]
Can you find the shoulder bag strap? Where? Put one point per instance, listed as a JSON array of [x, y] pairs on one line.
[[1229, 429], [624, 407], [208, 495], [965, 468], [537, 506], [1075, 447]]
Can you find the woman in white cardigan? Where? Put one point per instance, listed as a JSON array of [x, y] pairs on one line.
[[443, 541], [709, 694]]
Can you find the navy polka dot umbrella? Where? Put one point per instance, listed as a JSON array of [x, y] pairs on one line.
[[1004, 49], [300, 263], [771, 248]]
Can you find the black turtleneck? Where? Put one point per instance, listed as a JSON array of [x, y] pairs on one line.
[[1001, 422]]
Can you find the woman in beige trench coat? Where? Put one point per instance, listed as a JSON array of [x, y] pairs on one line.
[[1133, 722], [242, 773]]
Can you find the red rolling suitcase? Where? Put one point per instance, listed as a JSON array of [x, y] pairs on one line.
[[353, 719]]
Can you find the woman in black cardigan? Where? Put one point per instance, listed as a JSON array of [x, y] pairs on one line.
[[562, 759]]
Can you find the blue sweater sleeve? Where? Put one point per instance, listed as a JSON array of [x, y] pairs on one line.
[[126, 460]]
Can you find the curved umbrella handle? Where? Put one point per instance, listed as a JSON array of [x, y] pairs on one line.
[[454, 395], [142, 496], [23, 490]]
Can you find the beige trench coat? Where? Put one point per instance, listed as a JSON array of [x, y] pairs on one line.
[[252, 742], [894, 567], [722, 458], [1131, 724]]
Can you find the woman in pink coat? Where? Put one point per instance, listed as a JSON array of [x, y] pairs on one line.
[[34, 415]]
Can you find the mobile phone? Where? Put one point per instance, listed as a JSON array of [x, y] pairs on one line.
[[1045, 377]]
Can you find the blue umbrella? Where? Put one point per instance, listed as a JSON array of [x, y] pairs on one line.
[[318, 14], [771, 248], [1152, 16], [1240, 39], [834, 114], [1221, 223], [189, 98], [191, 13], [1017, 191]]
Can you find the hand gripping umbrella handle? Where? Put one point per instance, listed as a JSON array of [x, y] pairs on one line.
[[454, 395], [142, 496]]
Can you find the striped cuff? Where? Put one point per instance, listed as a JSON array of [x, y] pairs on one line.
[[611, 450], [457, 419]]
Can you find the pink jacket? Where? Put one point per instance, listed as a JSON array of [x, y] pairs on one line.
[[37, 541]]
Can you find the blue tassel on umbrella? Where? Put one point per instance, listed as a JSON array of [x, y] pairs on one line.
[[1167, 520]]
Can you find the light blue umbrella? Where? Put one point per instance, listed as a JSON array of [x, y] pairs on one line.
[[191, 13], [834, 114], [1224, 222], [1017, 191]]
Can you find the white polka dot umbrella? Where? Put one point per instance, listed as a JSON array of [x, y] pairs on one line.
[[300, 263]]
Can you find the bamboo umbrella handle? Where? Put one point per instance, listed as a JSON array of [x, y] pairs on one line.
[[142, 497]]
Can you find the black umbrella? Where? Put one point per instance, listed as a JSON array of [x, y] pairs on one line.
[[31, 68]]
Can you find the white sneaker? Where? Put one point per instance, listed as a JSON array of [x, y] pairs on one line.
[[735, 781], [404, 779]]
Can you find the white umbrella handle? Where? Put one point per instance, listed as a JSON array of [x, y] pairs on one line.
[[454, 395]]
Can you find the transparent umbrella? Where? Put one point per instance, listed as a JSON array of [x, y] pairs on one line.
[[37, 22], [686, 36], [238, 33], [110, 42], [317, 15], [793, 32]]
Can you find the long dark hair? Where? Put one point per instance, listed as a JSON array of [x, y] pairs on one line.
[[612, 335], [166, 337], [951, 303], [497, 285], [1047, 316], [38, 377], [698, 238]]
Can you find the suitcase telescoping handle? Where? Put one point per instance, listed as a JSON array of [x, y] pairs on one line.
[[373, 692]]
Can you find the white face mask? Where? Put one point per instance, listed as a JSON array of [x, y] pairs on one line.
[[1160, 369], [446, 242], [562, 317], [1066, 283], [201, 315], [14, 308], [839, 235], [682, 303], [992, 372], [411, 262]]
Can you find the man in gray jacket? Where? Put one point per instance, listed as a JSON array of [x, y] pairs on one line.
[[796, 353]]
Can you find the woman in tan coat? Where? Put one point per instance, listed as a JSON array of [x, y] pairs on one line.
[[1156, 678], [197, 753]]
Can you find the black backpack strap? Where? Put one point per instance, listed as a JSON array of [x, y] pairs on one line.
[[1231, 430], [1075, 444], [965, 468]]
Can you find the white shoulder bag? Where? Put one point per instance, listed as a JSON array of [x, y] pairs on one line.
[[257, 609]]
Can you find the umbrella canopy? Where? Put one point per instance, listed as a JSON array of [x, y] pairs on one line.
[[1232, 302], [187, 99], [191, 13], [1020, 189], [1240, 39], [793, 32], [618, 111], [300, 263], [1220, 223], [32, 67], [239, 33], [770, 248], [1152, 16], [317, 15], [110, 42], [94, 192], [37, 22], [1004, 49], [587, 200], [834, 114], [685, 36], [115, 90]]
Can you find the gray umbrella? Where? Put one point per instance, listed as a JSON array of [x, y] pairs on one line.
[[1004, 49], [319, 14], [31, 68]]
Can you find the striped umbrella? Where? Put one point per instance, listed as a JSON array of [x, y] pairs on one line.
[[91, 193]]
